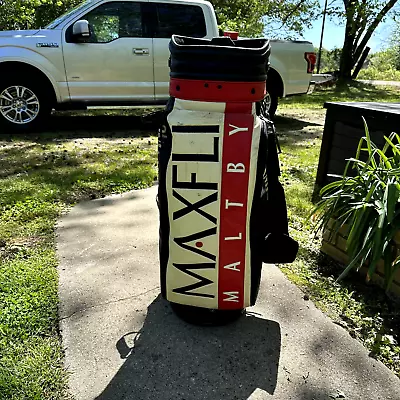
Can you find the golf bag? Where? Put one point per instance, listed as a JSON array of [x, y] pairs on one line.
[[222, 208]]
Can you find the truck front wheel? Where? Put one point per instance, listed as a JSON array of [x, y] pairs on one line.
[[23, 105]]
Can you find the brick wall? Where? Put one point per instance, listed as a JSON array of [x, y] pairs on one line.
[[336, 248]]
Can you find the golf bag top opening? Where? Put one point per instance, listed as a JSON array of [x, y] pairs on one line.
[[219, 59]]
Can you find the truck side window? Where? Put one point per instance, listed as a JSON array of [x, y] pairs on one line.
[[114, 20], [185, 20]]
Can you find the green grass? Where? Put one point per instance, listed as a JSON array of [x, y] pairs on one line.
[[40, 177], [362, 309], [355, 92]]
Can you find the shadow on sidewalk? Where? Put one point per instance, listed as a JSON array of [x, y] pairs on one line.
[[173, 360]]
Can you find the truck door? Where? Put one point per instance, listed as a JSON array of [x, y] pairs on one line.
[[115, 63], [180, 19]]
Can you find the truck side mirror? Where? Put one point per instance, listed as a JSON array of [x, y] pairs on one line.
[[81, 29]]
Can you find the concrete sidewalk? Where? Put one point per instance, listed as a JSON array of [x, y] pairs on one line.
[[123, 342]]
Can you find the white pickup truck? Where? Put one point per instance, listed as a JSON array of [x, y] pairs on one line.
[[115, 52]]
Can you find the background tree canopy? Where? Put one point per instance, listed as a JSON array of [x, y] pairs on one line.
[[279, 18], [330, 59], [30, 14]]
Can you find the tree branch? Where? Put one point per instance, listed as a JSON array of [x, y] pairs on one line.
[[357, 20], [296, 7], [388, 6], [360, 31]]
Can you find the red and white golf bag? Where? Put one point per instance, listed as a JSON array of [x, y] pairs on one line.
[[222, 208]]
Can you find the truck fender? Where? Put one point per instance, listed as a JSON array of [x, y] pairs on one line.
[[276, 67], [33, 59]]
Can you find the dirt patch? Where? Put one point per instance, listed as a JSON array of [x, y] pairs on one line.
[[300, 127]]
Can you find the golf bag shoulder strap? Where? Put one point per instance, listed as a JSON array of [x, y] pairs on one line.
[[277, 246]]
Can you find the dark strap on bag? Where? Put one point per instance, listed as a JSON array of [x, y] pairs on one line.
[[278, 246]]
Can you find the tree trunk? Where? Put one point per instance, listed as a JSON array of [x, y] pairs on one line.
[[346, 58], [360, 62], [346, 65]]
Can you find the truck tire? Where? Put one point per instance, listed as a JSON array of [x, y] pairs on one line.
[[24, 105]]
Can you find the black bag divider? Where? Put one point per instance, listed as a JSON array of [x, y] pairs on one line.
[[219, 59], [222, 207]]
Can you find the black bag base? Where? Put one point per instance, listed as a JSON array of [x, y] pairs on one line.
[[205, 316], [280, 248]]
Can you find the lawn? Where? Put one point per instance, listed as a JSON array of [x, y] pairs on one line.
[[41, 176], [357, 92], [97, 153]]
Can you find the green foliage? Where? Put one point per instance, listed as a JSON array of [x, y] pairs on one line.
[[369, 203], [374, 73], [30, 14], [383, 65], [330, 59], [249, 17], [276, 19], [51, 9], [383, 59], [394, 44]]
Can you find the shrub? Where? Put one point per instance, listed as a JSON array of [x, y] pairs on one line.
[[389, 74], [368, 202], [383, 65]]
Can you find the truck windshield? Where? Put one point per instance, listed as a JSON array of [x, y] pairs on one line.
[[66, 15]]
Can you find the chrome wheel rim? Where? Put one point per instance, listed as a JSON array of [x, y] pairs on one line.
[[19, 105]]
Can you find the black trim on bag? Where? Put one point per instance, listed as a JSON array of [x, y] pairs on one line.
[[195, 128], [256, 215], [164, 154]]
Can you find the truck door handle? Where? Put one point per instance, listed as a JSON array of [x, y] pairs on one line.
[[141, 52]]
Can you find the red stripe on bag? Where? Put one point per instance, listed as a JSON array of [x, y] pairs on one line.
[[236, 151], [217, 91]]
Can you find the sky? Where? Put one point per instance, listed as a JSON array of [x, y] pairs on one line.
[[334, 34]]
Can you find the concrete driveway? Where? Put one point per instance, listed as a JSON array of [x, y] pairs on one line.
[[122, 341], [380, 83]]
